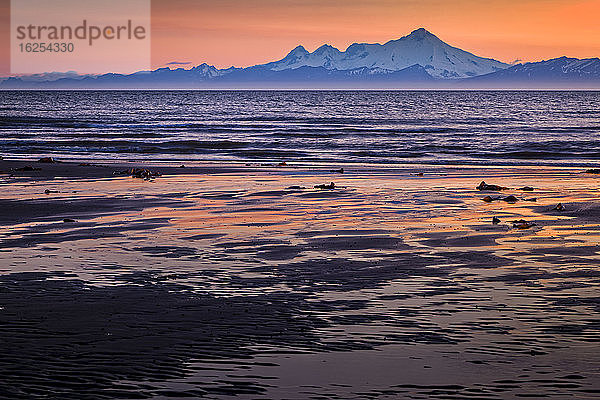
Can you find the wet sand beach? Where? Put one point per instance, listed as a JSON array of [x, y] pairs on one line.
[[251, 280]]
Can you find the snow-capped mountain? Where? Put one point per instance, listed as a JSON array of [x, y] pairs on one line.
[[419, 48], [557, 71], [199, 72]]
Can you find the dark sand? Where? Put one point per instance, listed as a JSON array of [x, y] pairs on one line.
[[213, 281]]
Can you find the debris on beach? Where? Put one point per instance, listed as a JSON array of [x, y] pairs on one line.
[[593, 171], [495, 220], [295, 188], [337, 171], [559, 207], [282, 164], [47, 160], [522, 224], [527, 189], [141, 173], [182, 166], [69, 220], [531, 199], [493, 188], [331, 186], [510, 199], [27, 168], [48, 191]]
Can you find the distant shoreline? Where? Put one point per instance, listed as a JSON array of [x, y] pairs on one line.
[[100, 168]]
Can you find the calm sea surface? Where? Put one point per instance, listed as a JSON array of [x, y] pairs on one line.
[[386, 127]]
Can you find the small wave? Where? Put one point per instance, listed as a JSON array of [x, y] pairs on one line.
[[366, 131], [121, 146], [392, 155], [20, 122], [563, 129]]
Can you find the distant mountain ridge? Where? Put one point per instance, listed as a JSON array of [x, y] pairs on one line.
[[418, 60], [557, 72]]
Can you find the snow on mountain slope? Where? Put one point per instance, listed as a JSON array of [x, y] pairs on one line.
[[557, 70], [562, 67], [420, 47]]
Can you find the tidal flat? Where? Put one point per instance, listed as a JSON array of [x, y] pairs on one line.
[[247, 279]]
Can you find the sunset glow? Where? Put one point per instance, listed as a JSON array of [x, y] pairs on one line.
[[243, 33]]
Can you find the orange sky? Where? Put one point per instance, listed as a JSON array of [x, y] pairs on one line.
[[242, 33], [247, 32]]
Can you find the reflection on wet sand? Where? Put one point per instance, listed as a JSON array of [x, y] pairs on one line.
[[388, 285]]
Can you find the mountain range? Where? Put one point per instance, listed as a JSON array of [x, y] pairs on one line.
[[418, 60]]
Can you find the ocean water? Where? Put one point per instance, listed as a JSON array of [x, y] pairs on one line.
[[369, 127]]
